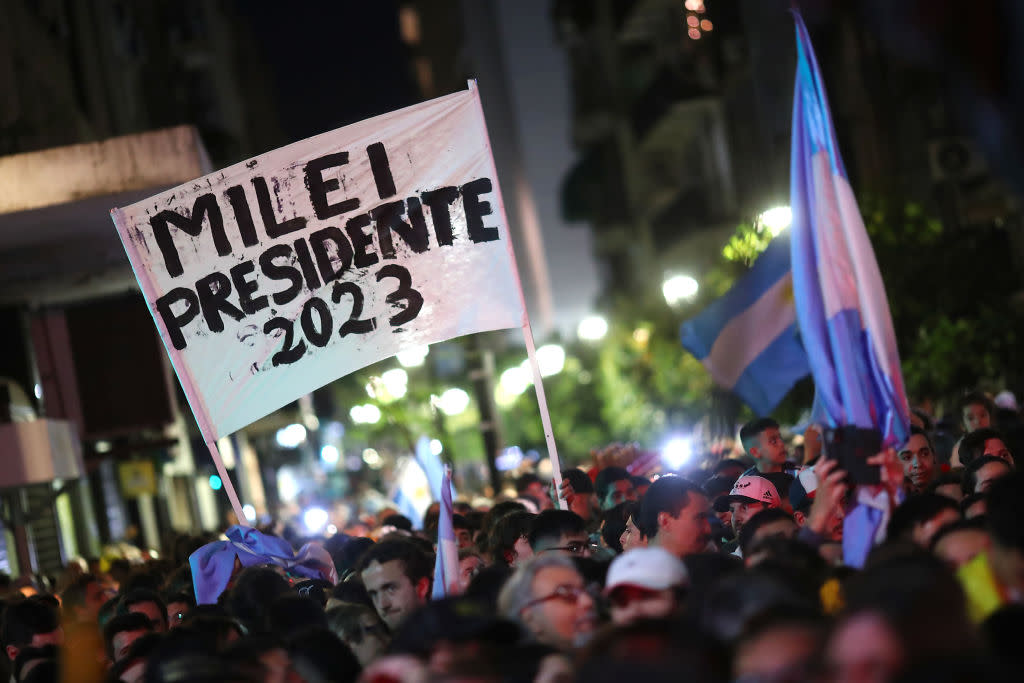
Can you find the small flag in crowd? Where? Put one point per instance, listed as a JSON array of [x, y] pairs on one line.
[[748, 338], [446, 564]]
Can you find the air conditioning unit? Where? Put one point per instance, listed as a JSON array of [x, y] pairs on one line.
[[955, 159]]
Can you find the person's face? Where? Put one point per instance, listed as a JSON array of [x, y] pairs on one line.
[[785, 528], [583, 505], [463, 538], [772, 448], [539, 491], [468, 568], [562, 612], [864, 649], [997, 449], [176, 611], [394, 595], [918, 462], [960, 547], [630, 603], [521, 551], [742, 511], [783, 653], [689, 532], [987, 474], [976, 509], [369, 642], [570, 544], [123, 641], [631, 537], [621, 491], [923, 533], [975, 416], [152, 611]]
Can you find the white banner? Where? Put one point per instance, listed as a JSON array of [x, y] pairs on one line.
[[280, 274]]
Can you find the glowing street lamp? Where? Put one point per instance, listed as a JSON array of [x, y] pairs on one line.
[[775, 220], [679, 288], [453, 401], [592, 328], [551, 359]]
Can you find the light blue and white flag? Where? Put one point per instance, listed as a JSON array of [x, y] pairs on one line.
[[748, 339], [446, 562]]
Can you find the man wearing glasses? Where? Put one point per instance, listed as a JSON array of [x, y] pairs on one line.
[[547, 597], [559, 531]]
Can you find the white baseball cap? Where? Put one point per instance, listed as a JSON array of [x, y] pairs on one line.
[[651, 568], [750, 488]]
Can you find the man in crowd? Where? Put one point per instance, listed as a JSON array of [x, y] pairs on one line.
[[123, 630], [983, 442], [530, 486], [81, 601], [749, 495], [548, 598], [919, 518], [918, 460], [613, 486], [30, 623], [674, 516], [148, 603], [397, 575], [763, 442], [583, 500], [559, 531], [976, 411], [645, 583]]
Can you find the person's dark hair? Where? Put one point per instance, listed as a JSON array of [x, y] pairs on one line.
[[970, 500], [289, 614], [499, 510], [953, 477], [524, 481], [970, 480], [400, 522], [917, 510], [928, 423], [142, 648], [346, 620], [460, 522], [977, 398], [120, 624], [605, 480], [975, 524], [506, 532], [317, 654], [669, 494], [579, 480], [140, 596], [639, 481], [615, 520], [352, 590], [808, 619], [754, 524], [40, 655], [346, 552], [416, 564], [552, 524], [192, 655], [25, 618], [972, 446], [74, 595], [254, 589], [750, 432], [487, 584], [1005, 510], [726, 464], [920, 432]]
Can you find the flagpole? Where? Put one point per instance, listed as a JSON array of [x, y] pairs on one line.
[[531, 349]]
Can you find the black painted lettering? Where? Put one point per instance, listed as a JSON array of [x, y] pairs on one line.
[[306, 263], [440, 201], [318, 186], [213, 291], [388, 218], [381, 168], [331, 265], [173, 322], [477, 209], [205, 206], [270, 224], [246, 288], [243, 215], [363, 255], [276, 271]]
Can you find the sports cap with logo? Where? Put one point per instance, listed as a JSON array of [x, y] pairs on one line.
[[651, 568], [750, 488]]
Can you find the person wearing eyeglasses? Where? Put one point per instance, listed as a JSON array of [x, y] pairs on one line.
[[645, 583], [559, 531], [548, 598]]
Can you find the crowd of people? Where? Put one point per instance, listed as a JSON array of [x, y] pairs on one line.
[[735, 573]]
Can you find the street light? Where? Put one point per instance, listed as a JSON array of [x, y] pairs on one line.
[[551, 359], [367, 414], [677, 452], [775, 220], [592, 328], [453, 401], [413, 357], [679, 288]]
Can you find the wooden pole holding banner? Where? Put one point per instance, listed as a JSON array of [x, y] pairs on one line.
[[531, 349]]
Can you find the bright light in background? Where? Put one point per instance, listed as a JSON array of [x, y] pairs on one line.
[[372, 459], [514, 381], [103, 446], [679, 288], [287, 486], [331, 529], [436, 448], [775, 220], [250, 512], [38, 390], [329, 454], [291, 436], [396, 382], [315, 519], [551, 359], [413, 357], [453, 401], [677, 452], [592, 328], [215, 482], [368, 414]]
